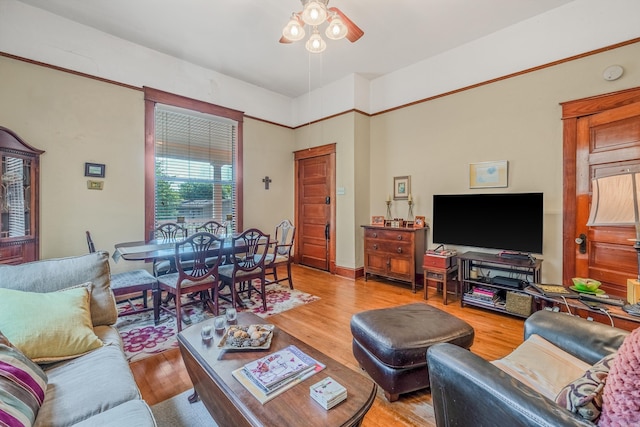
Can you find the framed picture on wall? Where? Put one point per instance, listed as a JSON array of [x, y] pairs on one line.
[[489, 174], [95, 170], [401, 187]]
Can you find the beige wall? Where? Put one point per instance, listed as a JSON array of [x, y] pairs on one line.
[[517, 119], [77, 120]]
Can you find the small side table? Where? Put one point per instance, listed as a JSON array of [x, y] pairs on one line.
[[441, 276]]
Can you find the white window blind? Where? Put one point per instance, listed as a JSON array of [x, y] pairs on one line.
[[195, 158]]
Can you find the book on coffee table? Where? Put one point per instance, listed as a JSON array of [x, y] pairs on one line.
[[277, 372]]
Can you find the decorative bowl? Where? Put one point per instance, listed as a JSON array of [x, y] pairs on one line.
[[584, 284]]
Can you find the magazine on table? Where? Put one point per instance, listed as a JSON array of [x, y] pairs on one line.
[[277, 369], [554, 290]]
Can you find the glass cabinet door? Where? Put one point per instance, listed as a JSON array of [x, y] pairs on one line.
[[19, 199], [15, 197]]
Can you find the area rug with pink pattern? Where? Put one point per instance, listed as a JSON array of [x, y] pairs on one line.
[[142, 338]]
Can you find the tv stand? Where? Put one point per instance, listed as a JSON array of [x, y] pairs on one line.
[[516, 255], [495, 295]]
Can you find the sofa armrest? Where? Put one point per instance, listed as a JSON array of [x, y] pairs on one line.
[[466, 390], [588, 341]]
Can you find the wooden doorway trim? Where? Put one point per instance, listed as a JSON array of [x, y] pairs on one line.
[[571, 112], [323, 150]]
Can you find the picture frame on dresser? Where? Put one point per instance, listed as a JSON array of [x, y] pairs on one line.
[[378, 220]]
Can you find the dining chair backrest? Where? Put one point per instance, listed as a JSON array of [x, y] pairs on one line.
[[198, 256], [212, 227], [285, 234], [92, 247], [250, 249], [169, 231]]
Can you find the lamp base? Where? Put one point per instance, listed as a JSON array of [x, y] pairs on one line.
[[633, 291]]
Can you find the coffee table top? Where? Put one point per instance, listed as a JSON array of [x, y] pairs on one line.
[[294, 406]]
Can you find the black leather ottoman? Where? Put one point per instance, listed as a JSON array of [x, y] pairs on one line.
[[391, 344]]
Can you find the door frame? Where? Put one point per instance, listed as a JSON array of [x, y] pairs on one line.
[[322, 150], [571, 112]]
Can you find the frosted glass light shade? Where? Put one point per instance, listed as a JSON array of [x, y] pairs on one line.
[[293, 30], [314, 13], [316, 44], [336, 29]]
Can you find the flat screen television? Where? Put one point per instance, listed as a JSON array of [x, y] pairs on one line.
[[504, 221]]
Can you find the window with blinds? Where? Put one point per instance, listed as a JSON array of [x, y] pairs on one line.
[[195, 156]]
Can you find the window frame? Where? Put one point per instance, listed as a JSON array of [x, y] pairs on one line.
[[155, 96]]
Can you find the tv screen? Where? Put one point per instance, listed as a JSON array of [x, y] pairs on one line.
[[506, 221]]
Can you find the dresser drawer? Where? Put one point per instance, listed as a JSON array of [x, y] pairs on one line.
[[392, 248], [386, 234]]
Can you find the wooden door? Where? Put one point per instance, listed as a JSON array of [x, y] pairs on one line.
[[315, 208], [602, 139]]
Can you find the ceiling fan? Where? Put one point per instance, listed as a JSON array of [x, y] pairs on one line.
[[314, 13]]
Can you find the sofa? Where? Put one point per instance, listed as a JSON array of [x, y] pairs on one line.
[[523, 388], [95, 387]]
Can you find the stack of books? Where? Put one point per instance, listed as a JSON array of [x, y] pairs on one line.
[[328, 393], [275, 373], [489, 296]]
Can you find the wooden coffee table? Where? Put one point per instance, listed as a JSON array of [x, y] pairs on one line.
[[230, 404]]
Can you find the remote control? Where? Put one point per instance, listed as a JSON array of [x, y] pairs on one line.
[[604, 299]]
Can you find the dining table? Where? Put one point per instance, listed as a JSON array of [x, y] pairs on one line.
[[164, 249]]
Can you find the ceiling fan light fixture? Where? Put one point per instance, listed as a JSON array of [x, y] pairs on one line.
[[316, 44], [314, 13], [336, 29], [293, 31]]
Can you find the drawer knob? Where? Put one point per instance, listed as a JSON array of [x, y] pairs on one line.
[[399, 236], [399, 250], [375, 246], [375, 234]]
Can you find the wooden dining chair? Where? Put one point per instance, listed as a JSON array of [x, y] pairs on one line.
[[167, 232], [280, 254], [129, 283], [195, 274], [212, 227], [247, 264]]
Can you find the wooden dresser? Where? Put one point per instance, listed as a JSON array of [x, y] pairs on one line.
[[395, 253]]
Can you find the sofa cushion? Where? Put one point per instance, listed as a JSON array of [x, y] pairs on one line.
[[49, 327], [60, 273], [584, 395], [83, 387], [132, 413], [621, 395], [542, 366], [22, 386]]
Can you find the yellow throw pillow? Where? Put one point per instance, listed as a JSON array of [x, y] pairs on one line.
[[48, 327]]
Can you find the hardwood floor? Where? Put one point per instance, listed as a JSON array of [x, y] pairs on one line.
[[324, 324]]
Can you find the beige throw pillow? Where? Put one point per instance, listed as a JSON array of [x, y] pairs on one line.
[[48, 327]]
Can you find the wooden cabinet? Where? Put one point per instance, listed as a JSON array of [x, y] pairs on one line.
[[19, 199], [395, 253]]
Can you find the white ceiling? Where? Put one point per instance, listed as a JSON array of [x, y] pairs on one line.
[[239, 38]]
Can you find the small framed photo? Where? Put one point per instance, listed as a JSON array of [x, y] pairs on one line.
[[419, 222], [377, 220], [401, 187], [95, 170], [489, 174]]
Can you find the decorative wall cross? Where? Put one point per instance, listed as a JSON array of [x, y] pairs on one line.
[[266, 181]]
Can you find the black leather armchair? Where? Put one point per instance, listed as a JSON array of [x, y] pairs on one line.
[[467, 390]]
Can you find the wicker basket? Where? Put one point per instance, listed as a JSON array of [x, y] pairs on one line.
[[518, 303]]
